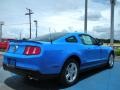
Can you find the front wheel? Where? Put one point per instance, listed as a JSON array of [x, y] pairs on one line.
[[70, 72], [111, 61]]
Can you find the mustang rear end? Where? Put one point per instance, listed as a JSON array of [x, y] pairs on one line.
[[27, 58]]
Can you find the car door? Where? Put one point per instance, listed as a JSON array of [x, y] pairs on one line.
[[91, 51]]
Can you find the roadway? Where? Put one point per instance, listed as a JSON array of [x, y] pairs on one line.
[[98, 79]]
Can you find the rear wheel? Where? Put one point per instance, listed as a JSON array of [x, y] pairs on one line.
[[111, 61], [70, 72]]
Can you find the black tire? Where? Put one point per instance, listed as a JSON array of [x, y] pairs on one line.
[[64, 73], [110, 63]]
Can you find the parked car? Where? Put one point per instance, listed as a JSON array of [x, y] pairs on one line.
[[4, 43], [57, 54]]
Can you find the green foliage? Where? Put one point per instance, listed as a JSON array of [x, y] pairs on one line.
[[117, 52]]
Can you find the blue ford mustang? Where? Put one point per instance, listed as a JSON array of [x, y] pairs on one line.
[[57, 54]]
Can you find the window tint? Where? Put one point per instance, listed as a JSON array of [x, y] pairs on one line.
[[71, 39], [86, 39], [50, 37], [94, 41]]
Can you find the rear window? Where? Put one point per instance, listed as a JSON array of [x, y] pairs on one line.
[[49, 37]]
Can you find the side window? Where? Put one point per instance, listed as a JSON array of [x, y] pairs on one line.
[[71, 39], [86, 39]]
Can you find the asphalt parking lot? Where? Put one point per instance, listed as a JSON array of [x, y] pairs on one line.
[[98, 79]]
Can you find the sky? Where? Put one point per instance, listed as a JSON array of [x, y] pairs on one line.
[[58, 15]]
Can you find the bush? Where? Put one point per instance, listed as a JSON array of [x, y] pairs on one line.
[[117, 52]]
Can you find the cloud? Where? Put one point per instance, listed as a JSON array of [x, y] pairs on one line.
[[57, 14], [14, 31], [101, 32], [118, 25], [93, 16], [101, 29], [118, 3], [106, 2], [101, 1], [104, 32], [64, 20]]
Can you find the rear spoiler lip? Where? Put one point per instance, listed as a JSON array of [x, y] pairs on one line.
[[17, 41]]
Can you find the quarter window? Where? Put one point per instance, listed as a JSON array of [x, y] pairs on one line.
[[71, 39]]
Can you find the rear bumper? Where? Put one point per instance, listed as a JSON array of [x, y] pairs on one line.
[[42, 64], [26, 73]]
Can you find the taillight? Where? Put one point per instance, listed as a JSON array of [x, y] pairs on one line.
[[32, 50]]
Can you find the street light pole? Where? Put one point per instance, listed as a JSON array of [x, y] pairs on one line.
[[85, 19], [29, 13], [112, 22], [1, 24], [36, 27]]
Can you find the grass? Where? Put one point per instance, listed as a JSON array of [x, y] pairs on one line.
[[117, 52]]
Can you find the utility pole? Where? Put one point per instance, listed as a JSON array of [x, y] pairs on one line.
[[112, 22], [85, 18], [29, 13], [36, 27], [1, 24]]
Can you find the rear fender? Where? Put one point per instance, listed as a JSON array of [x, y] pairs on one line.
[[70, 55]]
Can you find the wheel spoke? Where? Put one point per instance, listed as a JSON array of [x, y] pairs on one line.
[[111, 60], [71, 77], [67, 76]]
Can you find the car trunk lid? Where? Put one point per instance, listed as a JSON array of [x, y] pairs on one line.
[[18, 46]]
